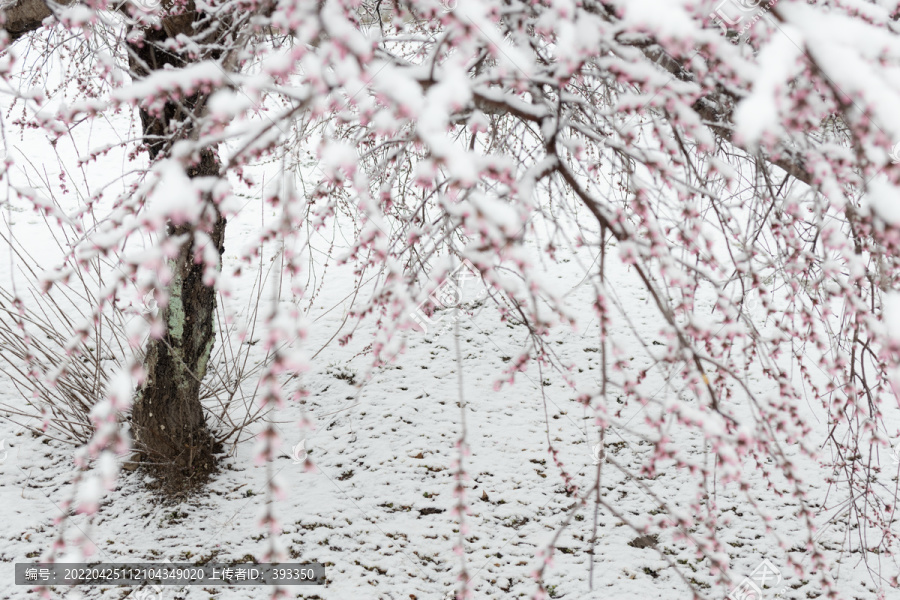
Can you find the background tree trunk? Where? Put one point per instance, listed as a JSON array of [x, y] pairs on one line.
[[167, 416]]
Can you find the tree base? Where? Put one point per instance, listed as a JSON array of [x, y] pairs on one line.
[[180, 477]]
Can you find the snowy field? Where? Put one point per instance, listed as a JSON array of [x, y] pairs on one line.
[[370, 459], [375, 502]]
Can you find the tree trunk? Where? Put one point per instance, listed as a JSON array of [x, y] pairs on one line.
[[167, 416]]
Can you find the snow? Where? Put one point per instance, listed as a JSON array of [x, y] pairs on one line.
[[881, 199], [892, 313], [371, 489], [844, 49], [779, 62], [226, 104], [376, 502], [670, 19], [176, 198]]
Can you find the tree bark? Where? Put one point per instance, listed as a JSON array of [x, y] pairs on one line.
[[167, 416], [26, 15]]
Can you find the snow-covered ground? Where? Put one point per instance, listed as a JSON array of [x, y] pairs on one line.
[[377, 507]]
